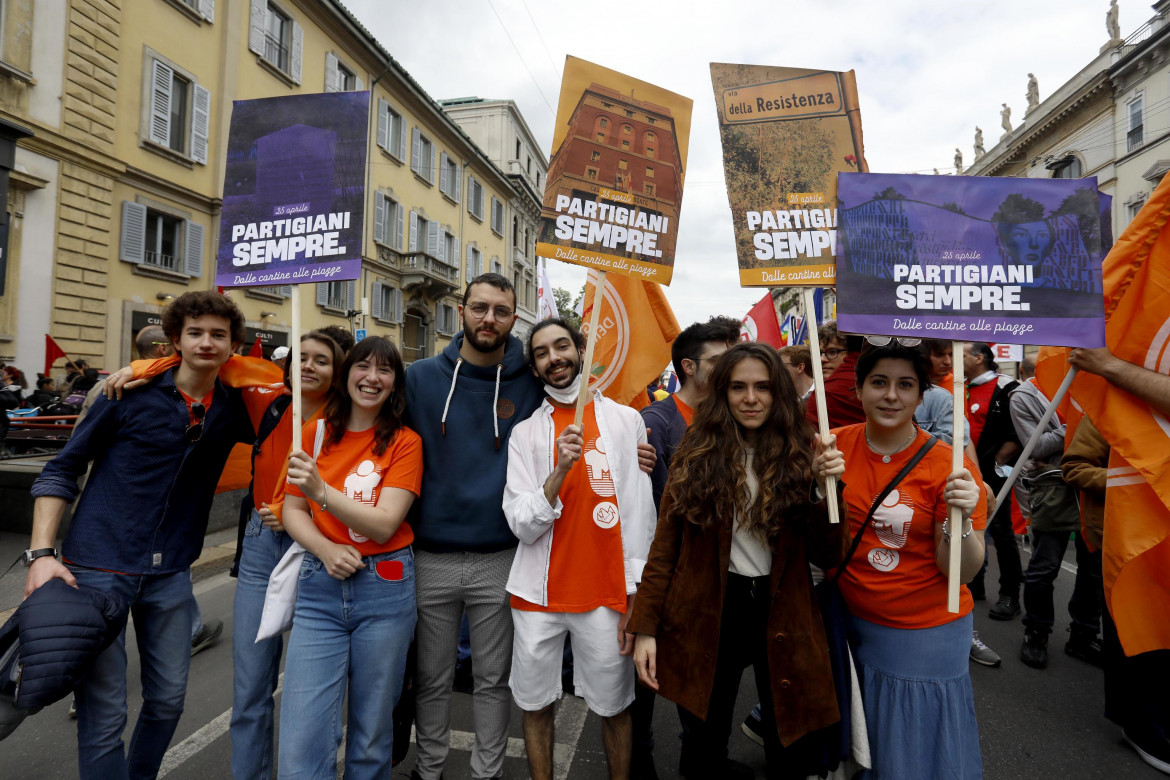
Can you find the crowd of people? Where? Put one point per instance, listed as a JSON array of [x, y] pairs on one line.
[[673, 548]]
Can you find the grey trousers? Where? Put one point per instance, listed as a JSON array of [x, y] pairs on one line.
[[446, 585]]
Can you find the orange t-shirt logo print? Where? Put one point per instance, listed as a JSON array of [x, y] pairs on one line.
[[362, 485], [605, 513]]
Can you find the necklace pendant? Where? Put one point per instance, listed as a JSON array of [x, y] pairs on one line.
[[885, 458]]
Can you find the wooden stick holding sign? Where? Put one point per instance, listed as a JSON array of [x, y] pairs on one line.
[[590, 343], [954, 516], [295, 366], [814, 347]]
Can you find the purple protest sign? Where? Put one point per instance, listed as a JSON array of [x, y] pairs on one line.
[[294, 190], [971, 258]]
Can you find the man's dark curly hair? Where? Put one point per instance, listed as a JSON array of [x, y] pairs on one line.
[[197, 304]]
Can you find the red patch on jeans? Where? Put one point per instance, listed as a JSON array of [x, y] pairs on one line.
[[389, 570]]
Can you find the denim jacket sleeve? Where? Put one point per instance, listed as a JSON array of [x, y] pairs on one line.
[[60, 476]]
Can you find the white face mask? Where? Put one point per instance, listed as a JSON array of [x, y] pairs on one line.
[[564, 395]]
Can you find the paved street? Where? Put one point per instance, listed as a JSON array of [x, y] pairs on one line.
[[1032, 724]]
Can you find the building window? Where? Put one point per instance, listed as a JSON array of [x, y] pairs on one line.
[[538, 180], [594, 157], [650, 189], [629, 113], [623, 164], [591, 173], [517, 149], [626, 144], [162, 241], [497, 217], [1067, 168], [449, 177], [601, 138], [528, 165], [497, 266], [649, 151], [179, 112], [474, 198], [335, 295], [445, 319], [606, 105], [339, 77], [449, 251], [603, 122], [1133, 207], [422, 157], [389, 217], [391, 130], [627, 130], [346, 79], [515, 231], [386, 303], [278, 39], [650, 119], [156, 239], [649, 172], [1133, 139], [474, 263]]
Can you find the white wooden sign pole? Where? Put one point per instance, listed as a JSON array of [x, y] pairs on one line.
[[814, 347], [294, 355], [590, 343], [954, 516]]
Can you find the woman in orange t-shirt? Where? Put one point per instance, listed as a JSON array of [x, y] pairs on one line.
[[911, 653], [355, 611]]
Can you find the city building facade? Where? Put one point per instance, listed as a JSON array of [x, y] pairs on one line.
[[114, 199], [498, 127]]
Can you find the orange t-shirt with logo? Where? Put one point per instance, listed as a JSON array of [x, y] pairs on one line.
[[893, 579], [351, 467], [586, 568]]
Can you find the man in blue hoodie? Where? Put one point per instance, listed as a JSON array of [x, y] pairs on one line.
[[464, 403]]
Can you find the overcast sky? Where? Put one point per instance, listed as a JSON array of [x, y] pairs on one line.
[[928, 72]]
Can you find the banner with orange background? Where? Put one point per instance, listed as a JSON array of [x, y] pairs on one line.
[[634, 331], [615, 178], [1136, 547]]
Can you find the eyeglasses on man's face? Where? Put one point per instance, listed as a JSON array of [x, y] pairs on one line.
[[480, 309]]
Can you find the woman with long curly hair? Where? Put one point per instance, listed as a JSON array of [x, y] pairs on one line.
[[728, 582], [355, 610]]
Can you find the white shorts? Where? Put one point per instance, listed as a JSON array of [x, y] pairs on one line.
[[603, 677]]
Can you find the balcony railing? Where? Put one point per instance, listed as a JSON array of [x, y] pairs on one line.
[[276, 52], [159, 260], [1133, 139], [419, 262]]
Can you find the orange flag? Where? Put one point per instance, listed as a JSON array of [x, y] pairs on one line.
[[634, 331], [1136, 552]]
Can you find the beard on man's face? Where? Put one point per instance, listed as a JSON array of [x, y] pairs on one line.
[[483, 336], [566, 379]]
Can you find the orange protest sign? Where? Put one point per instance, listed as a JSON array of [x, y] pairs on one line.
[[615, 179]]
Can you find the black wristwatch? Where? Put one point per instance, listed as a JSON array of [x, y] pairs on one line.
[[31, 555]]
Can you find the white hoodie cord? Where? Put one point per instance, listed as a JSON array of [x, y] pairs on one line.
[[495, 405], [451, 392]]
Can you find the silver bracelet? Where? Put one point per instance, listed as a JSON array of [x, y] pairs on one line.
[[325, 497], [947, 532]]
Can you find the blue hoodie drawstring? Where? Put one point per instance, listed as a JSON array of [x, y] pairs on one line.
[[495, 401], [451, 392]]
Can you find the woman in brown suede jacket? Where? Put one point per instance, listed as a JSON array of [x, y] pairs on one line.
[[728, 583]]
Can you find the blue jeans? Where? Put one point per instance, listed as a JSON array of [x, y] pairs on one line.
[[256, 666], [1085, 605], [160, 606], [356, 630]]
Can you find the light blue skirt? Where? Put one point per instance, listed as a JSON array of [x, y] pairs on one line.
[[919, 706]]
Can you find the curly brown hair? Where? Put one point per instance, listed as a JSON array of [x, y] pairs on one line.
[[708, 480], [198, 303]]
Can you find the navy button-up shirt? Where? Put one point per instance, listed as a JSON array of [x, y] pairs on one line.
[[144, 509]]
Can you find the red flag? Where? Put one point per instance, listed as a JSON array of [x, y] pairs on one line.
[[761, 324], [52, 352], [256, 351]]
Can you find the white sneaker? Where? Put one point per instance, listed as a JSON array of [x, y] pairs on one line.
[[981, 653]]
